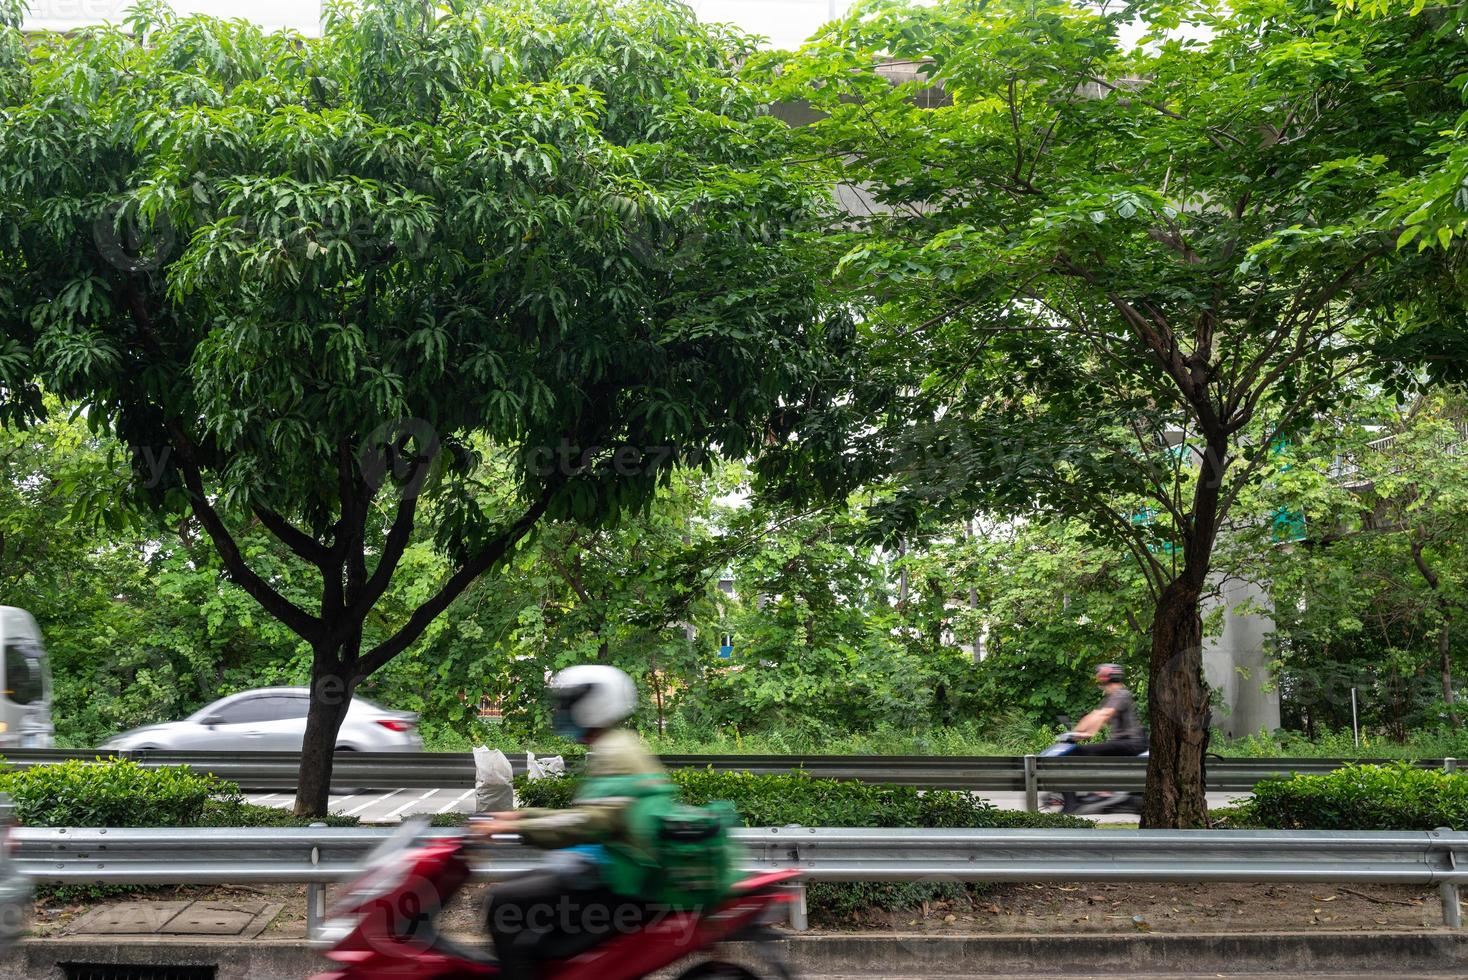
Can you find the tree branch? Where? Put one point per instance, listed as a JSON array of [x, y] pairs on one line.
[[364, 594], [452, 589], [296, 619], [302, 544]]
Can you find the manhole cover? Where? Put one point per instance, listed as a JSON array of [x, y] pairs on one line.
[[213, 919], [127, 919]]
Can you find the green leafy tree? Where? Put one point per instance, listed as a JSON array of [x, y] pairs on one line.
[[1050, 601], [1102, 282], [1370, 595], [832, 634], [638, 595], [308, 282]]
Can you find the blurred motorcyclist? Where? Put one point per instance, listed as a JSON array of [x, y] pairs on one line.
[[1118, 712], [586, 890]]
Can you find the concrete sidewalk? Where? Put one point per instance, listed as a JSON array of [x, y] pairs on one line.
[[219, 918], [1321, 954]]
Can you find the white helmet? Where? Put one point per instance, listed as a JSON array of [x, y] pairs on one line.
[[591, 696]]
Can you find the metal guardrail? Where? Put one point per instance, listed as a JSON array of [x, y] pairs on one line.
[[319, 855], [276, 771]]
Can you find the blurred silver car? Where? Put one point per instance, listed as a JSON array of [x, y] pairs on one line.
[[273, 719]]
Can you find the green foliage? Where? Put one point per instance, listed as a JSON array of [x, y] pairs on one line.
[[838, 902], [536, 222], [1369, 599], [1102, 278], [969, 738], [437, 819], [234, 811], [141, 627], [1054, 601], [1366, 797], [574, 594], [116, 793], [364, 308], [121, 793]]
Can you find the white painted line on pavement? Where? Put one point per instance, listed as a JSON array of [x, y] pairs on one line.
[[410, 803], [262, 800], [455, 803], [371, 800], [342, 800]]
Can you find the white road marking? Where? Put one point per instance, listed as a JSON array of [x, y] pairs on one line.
[[332, 806], [410, 803], [376, 799], [454, 805]]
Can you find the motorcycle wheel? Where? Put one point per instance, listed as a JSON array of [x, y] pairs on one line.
[[719, 970]]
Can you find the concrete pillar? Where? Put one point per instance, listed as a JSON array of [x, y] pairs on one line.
[[1236, 664]]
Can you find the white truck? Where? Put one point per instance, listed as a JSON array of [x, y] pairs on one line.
[[25, 683]]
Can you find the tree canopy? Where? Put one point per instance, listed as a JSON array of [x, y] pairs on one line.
[[1103, 280], [315, 284]]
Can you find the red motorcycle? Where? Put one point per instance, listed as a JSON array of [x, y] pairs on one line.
[[384, 926]]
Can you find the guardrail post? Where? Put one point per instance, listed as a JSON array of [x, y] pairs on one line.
[[1032, 784], [315, 897], [1452, 912], [1450, 764], [315, 908], [797, 908]]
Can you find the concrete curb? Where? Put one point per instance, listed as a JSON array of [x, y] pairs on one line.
[[1376, 954], [1286, 954]]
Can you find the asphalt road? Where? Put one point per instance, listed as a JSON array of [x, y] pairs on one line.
[[384, 807], [391, 807]]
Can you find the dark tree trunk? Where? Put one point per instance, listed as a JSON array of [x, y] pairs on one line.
[[331, 690], [1177, 695], [1178, 699]]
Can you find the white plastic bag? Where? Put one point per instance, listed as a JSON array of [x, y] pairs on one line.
[[551, 767], [494, 788]]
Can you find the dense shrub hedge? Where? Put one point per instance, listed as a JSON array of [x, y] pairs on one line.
[[120, 793], [110, 794], [1398, 796]]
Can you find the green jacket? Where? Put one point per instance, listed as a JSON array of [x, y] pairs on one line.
[[619, 770], [624, 803]]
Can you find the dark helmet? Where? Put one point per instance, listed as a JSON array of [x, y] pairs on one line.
[[1110, 674]]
